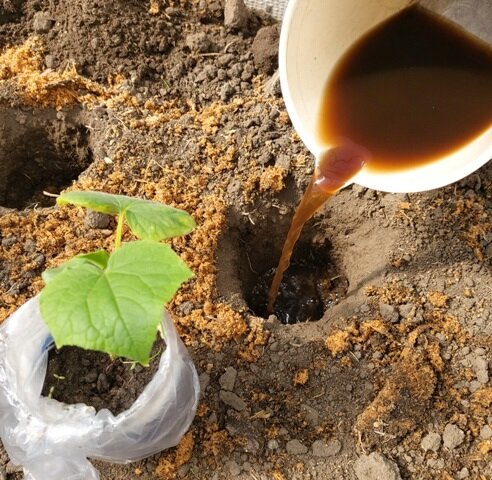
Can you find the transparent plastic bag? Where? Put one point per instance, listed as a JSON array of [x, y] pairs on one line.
[[52, 440]]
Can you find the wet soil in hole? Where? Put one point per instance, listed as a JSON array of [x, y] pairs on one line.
[[310, 285], [76, 375], [247, 256], [39, 151]]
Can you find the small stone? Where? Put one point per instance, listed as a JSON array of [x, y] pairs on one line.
[[186, 307], [264, 159], [326, 449], [439, 465], [272, 445], [9, 241], [228, 379], [376, 467], [295, 447], [407, 311], [96, 220], [91, 377], [232, 400], [441, 337], [204, 380], [364, 308], [39, 260], [183, 470], [3, 474], [474, 386], [226, 91], [234, 468], [388, 312], [236, 14], [452, 436], [483, 376], [432, 441], [272, 322], [150, 465], [480, 367], [463, 473], [283, 161], [359, 190], [30, 246], [311, 415], [486, 433], [50, 61], [102, 384], [251, 446], [248, 72], [42, 22], [435, 463], [271, 87], [377, 356], [275, 358], [198, 42]]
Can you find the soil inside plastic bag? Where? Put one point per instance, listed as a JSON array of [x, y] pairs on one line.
[[76, 375]]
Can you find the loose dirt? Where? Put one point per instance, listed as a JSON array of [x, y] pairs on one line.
[[160, 100]]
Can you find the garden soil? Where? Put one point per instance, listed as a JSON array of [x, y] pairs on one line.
[[170, 101]]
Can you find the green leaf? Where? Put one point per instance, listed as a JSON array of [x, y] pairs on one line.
[[98, 201], [97, 259], [155, 221], [148, 220], [117, 309]]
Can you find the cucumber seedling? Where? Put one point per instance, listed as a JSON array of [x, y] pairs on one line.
[[114, 302]]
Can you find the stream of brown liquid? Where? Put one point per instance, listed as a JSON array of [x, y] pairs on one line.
[[410, 90], [335, 168]]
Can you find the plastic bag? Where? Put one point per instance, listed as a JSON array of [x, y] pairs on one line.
[[52, 440]]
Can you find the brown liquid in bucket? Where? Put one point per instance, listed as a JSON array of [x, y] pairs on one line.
[[410, 91]]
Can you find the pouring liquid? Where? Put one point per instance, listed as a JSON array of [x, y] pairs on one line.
[[335, 167], [409, 91]]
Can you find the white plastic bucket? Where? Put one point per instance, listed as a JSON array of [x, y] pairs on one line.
[[316, 33]]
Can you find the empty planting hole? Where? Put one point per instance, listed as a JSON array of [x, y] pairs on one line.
[[39, 152], [310, 285]]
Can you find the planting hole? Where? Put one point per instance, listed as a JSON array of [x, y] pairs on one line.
[[39, 152], [310, 285]]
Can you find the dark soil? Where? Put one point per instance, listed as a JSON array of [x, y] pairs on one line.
[[40, 151], [80, 376], [310, 286], [188, 112]]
